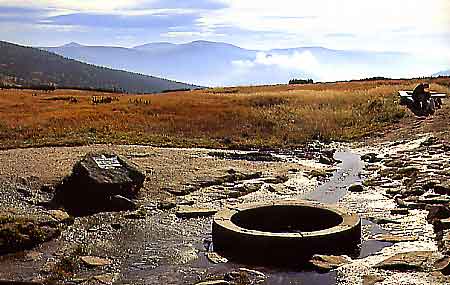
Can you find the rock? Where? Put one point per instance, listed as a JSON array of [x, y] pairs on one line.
[[409, 205], [382, 221], [395, 163], [183, 191], [372, 182], [137, 215], [194, 212], [434, 200], [399, 211], [408, 171], [276, 180], [108, 278], [326, 160], [415, 260], [393, 191], [214, 282], [429, 141], [443, 188], [96, 182], [120, 203], [245, 276], [443, 265], [328, 262], [167, 205], [437, 212], [216, 258], [372, 279], [444, 224], [356, 188], [61, 216], [370, 157], [395, 238], [95, 261]]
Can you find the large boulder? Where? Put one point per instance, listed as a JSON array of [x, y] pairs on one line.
[[95, 183]]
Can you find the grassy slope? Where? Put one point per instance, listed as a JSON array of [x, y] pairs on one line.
[[267, 116], [30, 66]]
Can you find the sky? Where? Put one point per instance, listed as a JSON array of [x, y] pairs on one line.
[[420, 27], [388, 25]]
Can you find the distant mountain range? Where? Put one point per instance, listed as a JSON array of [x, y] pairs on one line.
[[212, 63], [31, 67], [442, 73]]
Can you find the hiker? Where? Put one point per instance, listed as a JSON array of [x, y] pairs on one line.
[[421, 96]]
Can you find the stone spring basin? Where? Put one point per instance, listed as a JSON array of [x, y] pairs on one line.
[[284, 232]]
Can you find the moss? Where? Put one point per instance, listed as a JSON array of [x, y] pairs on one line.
[[19, 233]]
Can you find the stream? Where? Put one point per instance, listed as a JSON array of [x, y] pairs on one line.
[[330, 192]]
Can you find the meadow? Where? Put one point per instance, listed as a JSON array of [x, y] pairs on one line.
[[281, 116]]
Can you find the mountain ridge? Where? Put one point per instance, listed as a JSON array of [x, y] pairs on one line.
[[21, 65]]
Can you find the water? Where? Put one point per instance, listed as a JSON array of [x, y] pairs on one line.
[[347, 174], [330, 193]]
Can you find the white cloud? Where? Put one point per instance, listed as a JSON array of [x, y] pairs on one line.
[[304, 61], [371, 22]]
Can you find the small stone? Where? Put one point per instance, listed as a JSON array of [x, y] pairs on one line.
[[372, 279], [437, 212], [399, 211], [60, 216], [108, 278], [216, 258], [370, 157], [167, 205], [116, 226], [443, 265], [415, 260], [328, 262], [214, 282], [382, 221], [356, 188], [276, 180], [395, 238], [326, 160], [443, 189], [194, 212], [95, 261], [245, 276]]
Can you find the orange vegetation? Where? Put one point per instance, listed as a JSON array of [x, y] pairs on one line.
[[263, 116]]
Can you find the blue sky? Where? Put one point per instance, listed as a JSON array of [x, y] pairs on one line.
[[417, 26]]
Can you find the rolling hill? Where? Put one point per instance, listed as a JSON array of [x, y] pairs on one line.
[[28, 66], [215, 64]]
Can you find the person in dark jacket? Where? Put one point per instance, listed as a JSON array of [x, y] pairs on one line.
[[421, 96]]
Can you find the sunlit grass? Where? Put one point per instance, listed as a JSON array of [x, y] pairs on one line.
[[268, 116]]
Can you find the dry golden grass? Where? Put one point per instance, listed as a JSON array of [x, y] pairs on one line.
[[263, 116]]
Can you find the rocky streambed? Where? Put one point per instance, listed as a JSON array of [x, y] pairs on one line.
[[167, 240]]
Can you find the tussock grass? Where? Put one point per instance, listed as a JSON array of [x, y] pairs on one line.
[[261, 117]]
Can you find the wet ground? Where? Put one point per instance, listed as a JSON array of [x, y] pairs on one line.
[[159, 247]]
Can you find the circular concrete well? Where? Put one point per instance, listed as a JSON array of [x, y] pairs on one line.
[[284, 232]]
